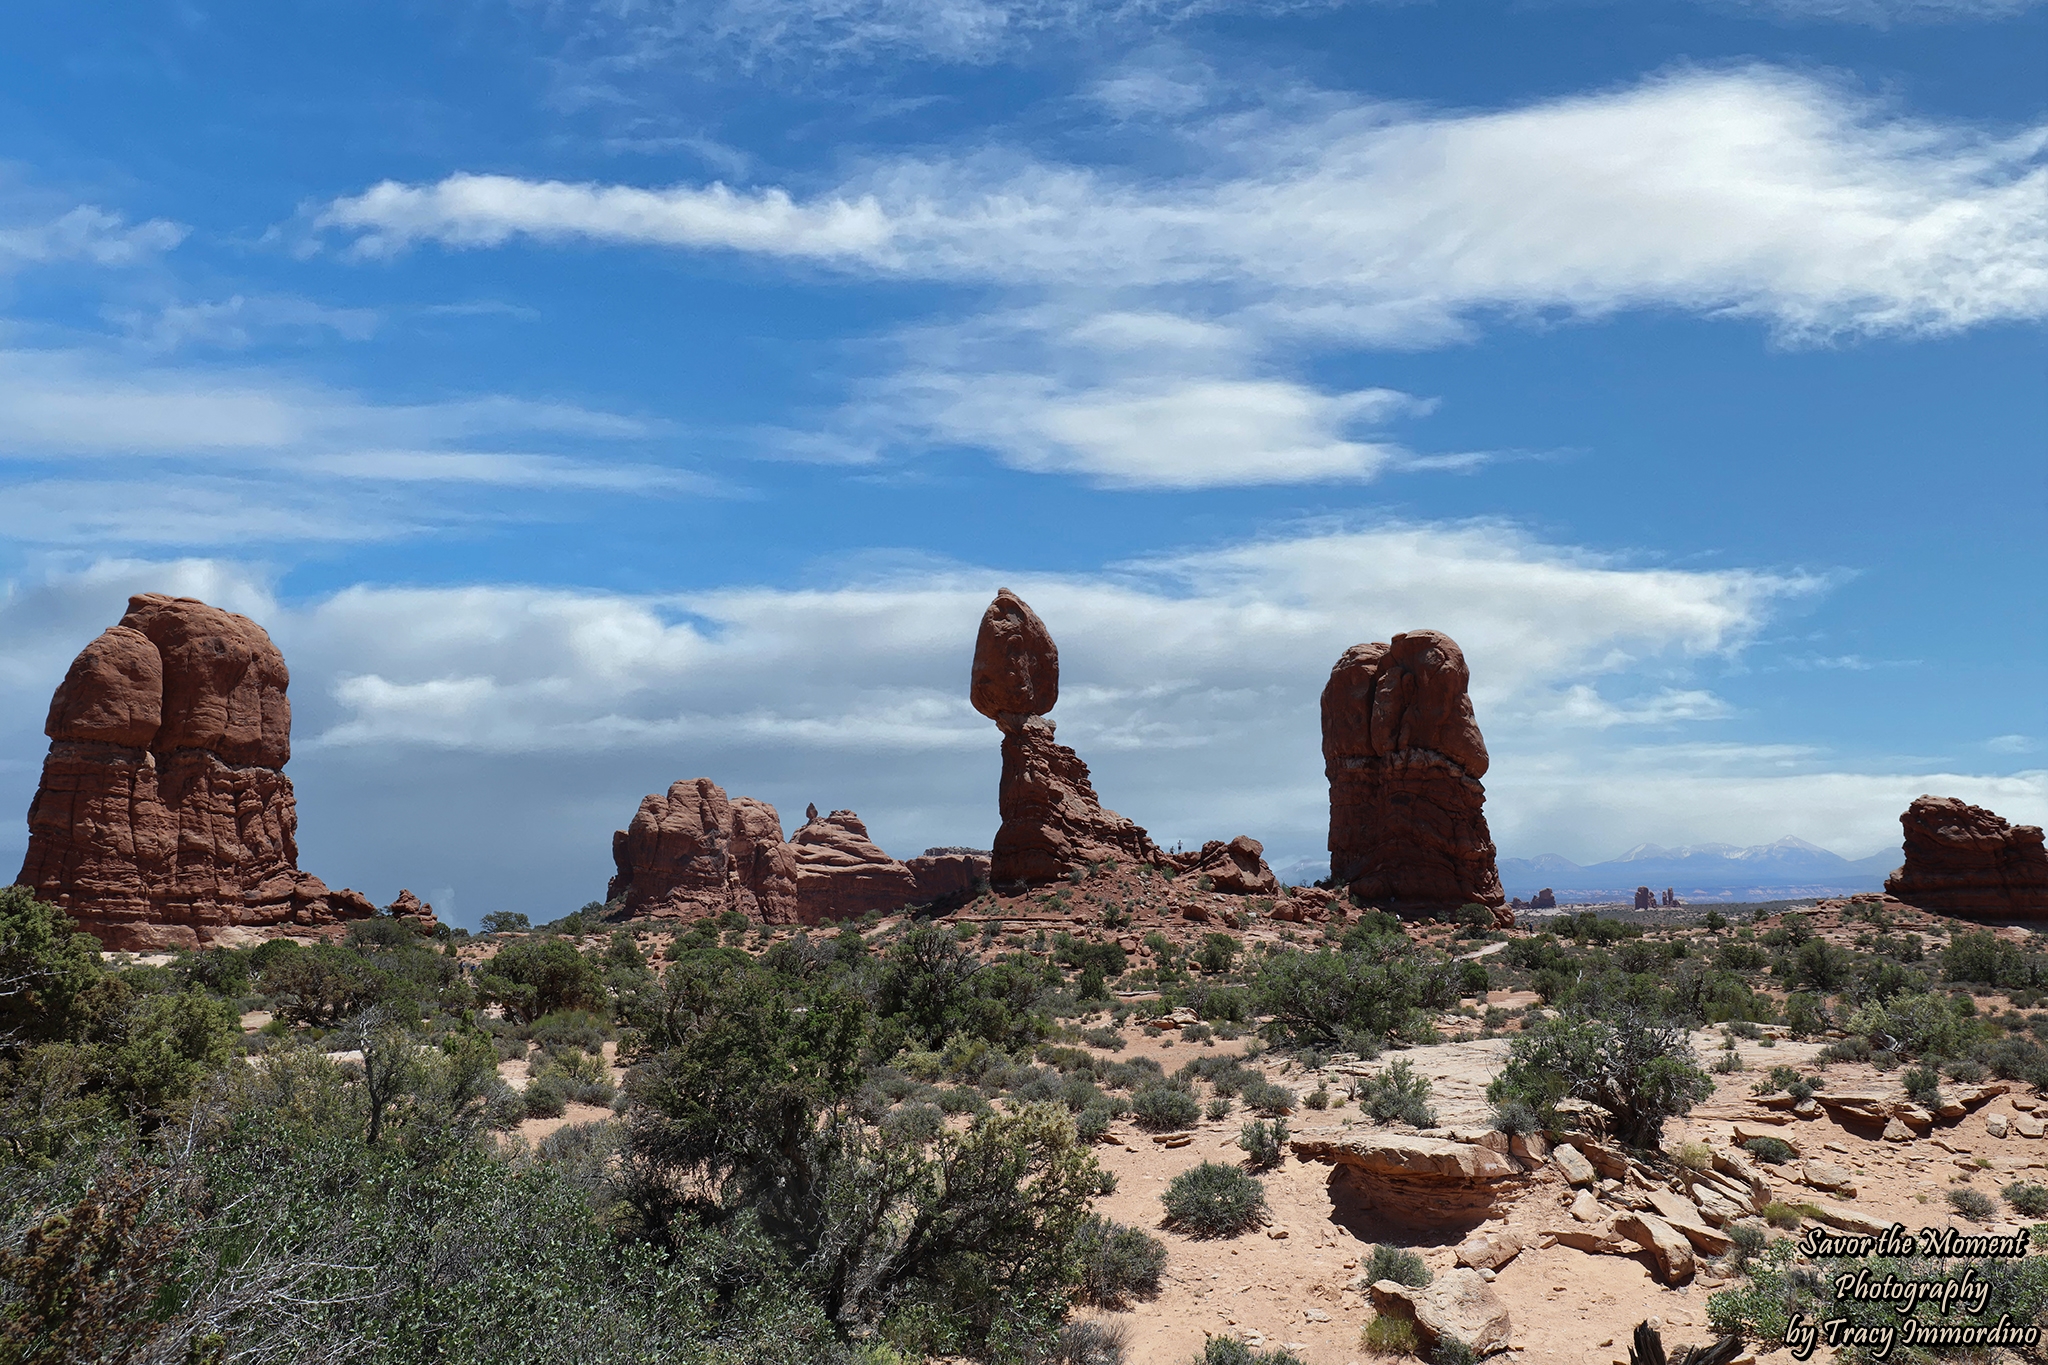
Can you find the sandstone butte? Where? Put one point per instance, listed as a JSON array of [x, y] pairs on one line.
[[163, 818], [1052, 821], [1964, 860], [1404, 758], [695, 852]]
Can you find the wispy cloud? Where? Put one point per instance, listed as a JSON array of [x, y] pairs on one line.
[[87, 234], [240, 321], [1755, 192]]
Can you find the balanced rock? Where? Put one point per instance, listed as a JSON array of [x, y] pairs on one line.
[[1964, 860], [1404, 758], [694, 852], [164, 818], [1052, 821]]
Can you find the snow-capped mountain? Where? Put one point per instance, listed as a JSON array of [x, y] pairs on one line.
[[1705, 872]]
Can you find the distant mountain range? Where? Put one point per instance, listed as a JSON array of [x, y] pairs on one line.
[[1784, 870]]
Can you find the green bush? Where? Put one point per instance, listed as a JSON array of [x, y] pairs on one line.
[[1217, 1109], [2027, 1199], [1774, 1151], [1376, 988], [1389, 1262], [1266, 1097], [1390, 1336], [1232, 1351], [1923, 1086], [1265, 1144], [1118, 1263], [1398, 1095], [545, 1097], [533, 978], [1972, 1204], [1214, 1200], [1642, 1072], [1164, 1107]]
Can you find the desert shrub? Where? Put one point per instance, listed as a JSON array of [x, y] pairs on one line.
[[568, 1028], [1108, 1038], [1748, 1238], [2027, 1199], [1318, 1098], [546, 1097], [1232, 1351], [1514, 1116], [1923, 1086], [1389, 1336], [1265, 1144], [1086, 1343], [1267, 1097], [1375, 988], [1451, 1351], [1398, 1095], [505, 922], [1972, 1204], [1218, 953], [533, 978], [1782, 1215], [1774, 1151], [1641, 1072], [1118, 1263], [1916, 1025], [1389, 1262], [1693, 1156], [1214, 1200], [1217, 1109], [1163, 1107], [1727, 1064]]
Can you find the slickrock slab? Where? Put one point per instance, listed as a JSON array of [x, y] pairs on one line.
[[1577, 1170], [1846, 1219], [1827, 1175]]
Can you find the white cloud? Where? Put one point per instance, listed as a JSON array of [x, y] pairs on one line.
[[2011, 744], [489, 210], [1886, 13], [239, 321], [89, 234], [1756, 192]]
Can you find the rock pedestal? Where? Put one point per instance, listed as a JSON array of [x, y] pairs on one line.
[[1404, 758], [1965, 860], [1052, 820], [163, 818]]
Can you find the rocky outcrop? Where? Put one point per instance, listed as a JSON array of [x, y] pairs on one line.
[[1237, 867], [1417, 1181], [1052, 821], [164, 818], [1546, 899], [694, 852], [1965, 860], [840, 872], [411, 908], [949, 877], [1404, 759]]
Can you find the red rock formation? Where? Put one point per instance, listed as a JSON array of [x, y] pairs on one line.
[[1546, 899], [693, 853], [411, 907], [1964, 860], [949, 877], [1404, 756], [841, 873], [1238, 867], [1053, 822], [163, 819], [1643, 898]]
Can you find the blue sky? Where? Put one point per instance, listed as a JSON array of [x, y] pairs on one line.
[[591, 396]]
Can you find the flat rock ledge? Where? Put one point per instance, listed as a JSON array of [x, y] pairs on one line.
[[1416, 1180]]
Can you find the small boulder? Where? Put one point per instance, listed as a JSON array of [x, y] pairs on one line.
[[1895, 1131], [1995, 1125], [1668, 1247], [1827, 1175], [1586, 1208], [1458, 1304], [1488, 1250], [1577, 1170]]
